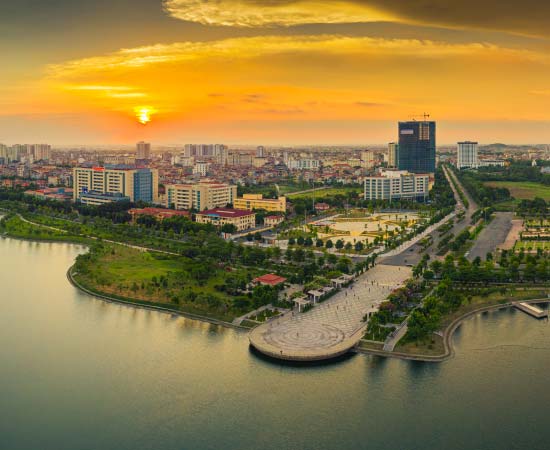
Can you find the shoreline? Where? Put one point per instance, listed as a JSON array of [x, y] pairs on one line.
[[447, 336], [150, 306], [447, 333]]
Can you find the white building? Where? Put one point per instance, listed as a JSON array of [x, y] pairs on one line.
[[200, 196], [303, 164], [201, 168], [467, 155], [396, 185], [135, 184]]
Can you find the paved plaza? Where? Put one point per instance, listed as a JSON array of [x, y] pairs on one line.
[[333, 327]]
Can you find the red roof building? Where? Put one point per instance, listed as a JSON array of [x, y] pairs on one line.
[[269, 280], [157, 213]]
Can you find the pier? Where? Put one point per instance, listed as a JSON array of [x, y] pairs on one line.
[[530, 309]]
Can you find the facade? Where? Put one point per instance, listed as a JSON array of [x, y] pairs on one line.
[[92, 198], [467, 155], [200, 196], [273, 221], [135, 184], [416, 150], [242, 220], [201, 168], [392, 154], [491, 162], [256, 201], [143, 150], [397, 185], [303, 164]]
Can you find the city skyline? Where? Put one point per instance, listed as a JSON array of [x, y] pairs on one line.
[[252, 72]]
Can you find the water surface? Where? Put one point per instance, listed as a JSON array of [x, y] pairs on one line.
[[81, 374]]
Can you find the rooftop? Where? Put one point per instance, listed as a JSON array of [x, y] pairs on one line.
[[226, 212]]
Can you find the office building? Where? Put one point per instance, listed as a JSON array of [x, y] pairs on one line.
[[397, 185], [105, 184], [200, 196], [143, 150], [260, 152], [256, 201], [392, 154], [242, 220], [467, 155], [416, 150]]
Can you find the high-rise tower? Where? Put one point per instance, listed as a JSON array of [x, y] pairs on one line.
[[416, 150]]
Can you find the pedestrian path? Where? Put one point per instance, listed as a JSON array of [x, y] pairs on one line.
[[332, 327]]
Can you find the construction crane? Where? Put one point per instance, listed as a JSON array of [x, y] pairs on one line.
[[424, 116]]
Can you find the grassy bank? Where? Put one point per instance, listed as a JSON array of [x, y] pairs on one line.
[[177, 282], [433, 346], [14, 226]]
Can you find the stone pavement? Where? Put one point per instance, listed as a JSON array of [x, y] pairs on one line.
[[333, 327]]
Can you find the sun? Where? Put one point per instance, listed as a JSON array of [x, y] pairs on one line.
[[144, 113]]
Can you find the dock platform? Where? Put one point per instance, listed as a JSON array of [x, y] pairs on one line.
[[532, 310]]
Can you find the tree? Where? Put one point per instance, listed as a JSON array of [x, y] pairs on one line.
[[329, 244], [228, 228], [291, 241], [319, 243], [359, 247], [339, 244]]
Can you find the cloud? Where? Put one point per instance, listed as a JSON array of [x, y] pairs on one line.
[[256, 13], [526, 17]]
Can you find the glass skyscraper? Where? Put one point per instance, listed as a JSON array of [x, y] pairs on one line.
[[416, 150]]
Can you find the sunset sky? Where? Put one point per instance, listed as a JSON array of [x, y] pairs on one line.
[[272, 71]]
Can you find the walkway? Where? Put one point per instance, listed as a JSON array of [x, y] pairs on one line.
[[331, 328], [493, 235]]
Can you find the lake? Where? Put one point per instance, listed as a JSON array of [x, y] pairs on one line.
[[82, 374]]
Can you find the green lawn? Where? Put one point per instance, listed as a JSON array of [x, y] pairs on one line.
[[324, 193], [523, 189]]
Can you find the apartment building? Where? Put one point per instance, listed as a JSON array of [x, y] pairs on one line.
[[242, 220]]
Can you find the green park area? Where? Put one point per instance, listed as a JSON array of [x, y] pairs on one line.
[[522, 190], [321, 193], [178, 282]]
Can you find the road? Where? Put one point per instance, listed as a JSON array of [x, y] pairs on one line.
[[492, 235]]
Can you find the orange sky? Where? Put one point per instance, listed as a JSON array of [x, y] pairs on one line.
[[248, 72]]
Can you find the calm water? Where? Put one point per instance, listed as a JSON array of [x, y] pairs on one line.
[[78, 373]]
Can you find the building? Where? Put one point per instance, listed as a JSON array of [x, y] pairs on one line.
[[242, 220], [135, 184], [256, 201], [467, 155], [491, 162], [303, 164], [93, 198], [392, 154], [368, 159], [41, 152], [201, 168], [158, 213], [397, 185], [269, 280], [260, 152], [273, 221], [200, 196], [416, 149], [143, 150]]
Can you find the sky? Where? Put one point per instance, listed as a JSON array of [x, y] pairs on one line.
[[272, 72]]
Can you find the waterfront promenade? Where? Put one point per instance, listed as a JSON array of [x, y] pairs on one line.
[[333, 327]]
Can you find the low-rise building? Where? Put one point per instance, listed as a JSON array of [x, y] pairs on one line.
[[273, 221], [397, 185], [158, 213], [241, 219], [256, 201], [93, 198]]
